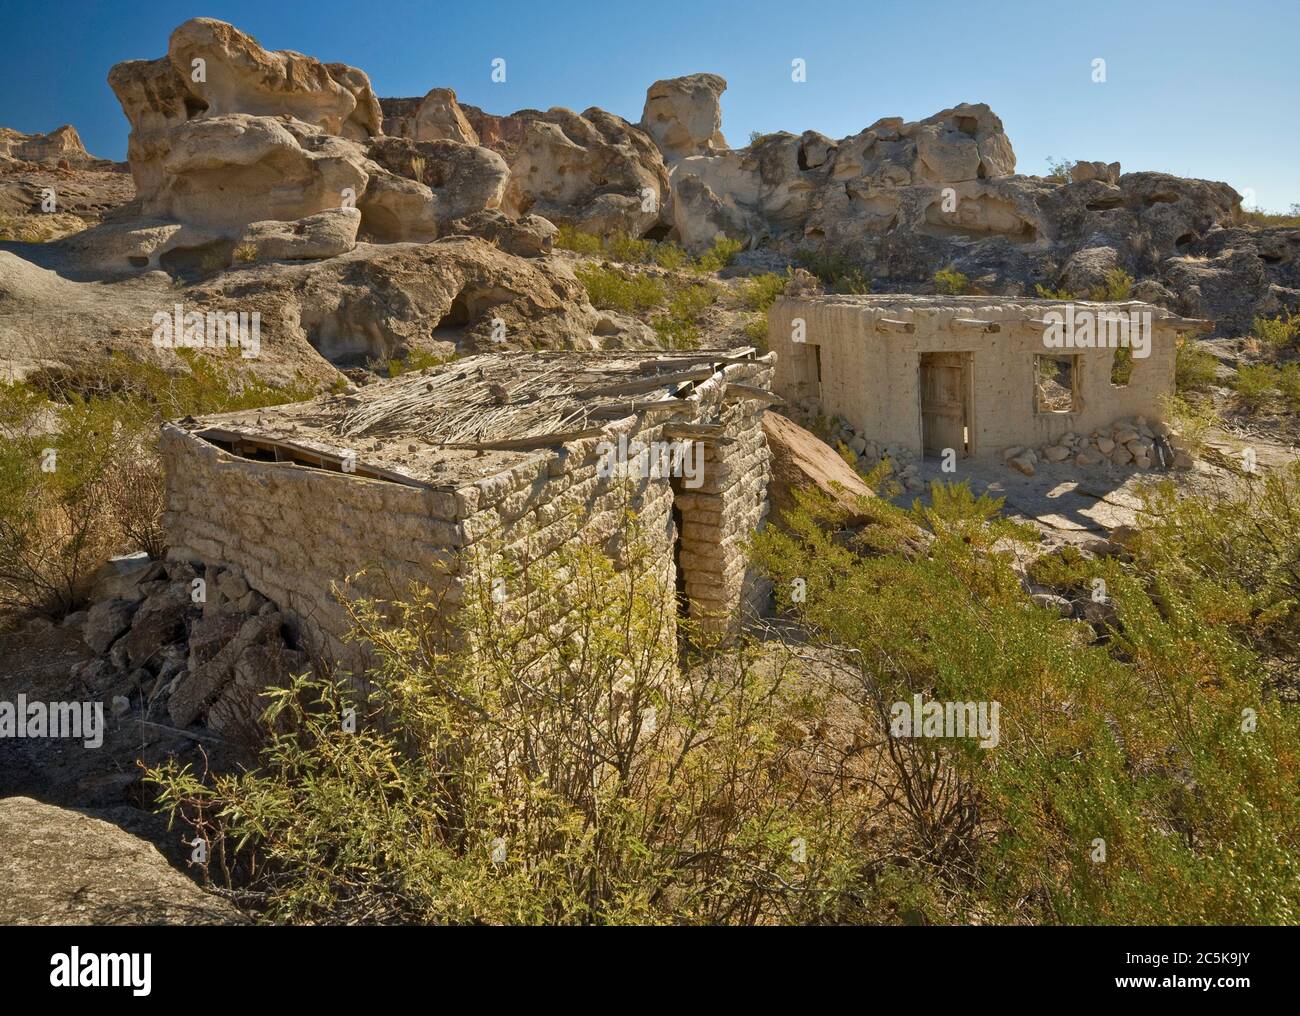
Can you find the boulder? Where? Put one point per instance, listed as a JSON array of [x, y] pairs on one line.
[[529, 236], [205, 683], [683, 116], [106, 621], [594, 171], [436, 117], [801, 459], [461, 179], [323, 235], [66, 867], [228, 171]]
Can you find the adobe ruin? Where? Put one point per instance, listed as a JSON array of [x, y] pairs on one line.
[[403, 480], [980, 375]]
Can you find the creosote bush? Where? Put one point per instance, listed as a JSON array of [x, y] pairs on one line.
[[550, 763], [1147, 767], [950, 282], [80, 478]]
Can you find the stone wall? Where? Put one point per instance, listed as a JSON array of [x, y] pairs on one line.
[[297, 533], [870, 373]]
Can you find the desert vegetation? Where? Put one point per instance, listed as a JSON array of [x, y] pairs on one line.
[[1144, 771]]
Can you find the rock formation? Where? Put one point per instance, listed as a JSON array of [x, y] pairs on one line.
[[593, 171], [65, 867], [683, 117], [225, 134]]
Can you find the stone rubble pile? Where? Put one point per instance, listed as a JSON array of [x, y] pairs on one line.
[[1126, 444], [867, 453], [178, 643]]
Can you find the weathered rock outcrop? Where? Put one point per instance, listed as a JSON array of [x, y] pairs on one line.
[[60, 147], [61, 866], [683, 117], [225, 134], [593, 171], [462, 179], [436, 117], [902, 200]]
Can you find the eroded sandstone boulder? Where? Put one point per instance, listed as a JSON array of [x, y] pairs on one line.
[[61, 866], [800, 459], [461, 179], [436, 117], [683, 116], [594, 171]]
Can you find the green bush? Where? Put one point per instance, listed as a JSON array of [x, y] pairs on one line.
[[1280, 333], [1158, 742], [555, 768], [569, 238], [719, 255], [612, 289], [1058, 170], [678, 326], [1194, 367], [1118, 286], [80, 477], [761, 291], [1255, 384], [1288, 383], [836, 272], [950, 282]]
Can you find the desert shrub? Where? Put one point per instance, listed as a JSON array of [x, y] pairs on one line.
[[678, 327], [559, 767], [1194, 367], [611, 289], [1159, 744], [52, 500], [1257, 217], [1255, 384], [1288, 383], [416, 360], [1058, 170], [760, 291], [719, 255], [1280, 333], [570, 238], [81, 478], [1192, 418], [1053, 294], [245, 252], [837, 272], [1118, 286], [624, 248], [950, 281]]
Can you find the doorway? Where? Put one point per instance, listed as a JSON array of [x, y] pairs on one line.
[[946, 419]]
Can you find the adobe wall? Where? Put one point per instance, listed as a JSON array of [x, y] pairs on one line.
[[295, 532], [872, 377]]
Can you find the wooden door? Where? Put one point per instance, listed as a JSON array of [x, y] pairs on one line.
[[944, 386]]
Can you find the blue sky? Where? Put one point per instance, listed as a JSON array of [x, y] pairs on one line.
[[1193, 87]]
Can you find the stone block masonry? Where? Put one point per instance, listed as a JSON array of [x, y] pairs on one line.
[[306, 510]]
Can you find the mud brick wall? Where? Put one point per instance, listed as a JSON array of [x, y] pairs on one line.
[[719, 516], [871, 377], [297, 533]]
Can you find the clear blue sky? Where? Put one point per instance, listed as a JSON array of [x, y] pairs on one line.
[[1194, 87]]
